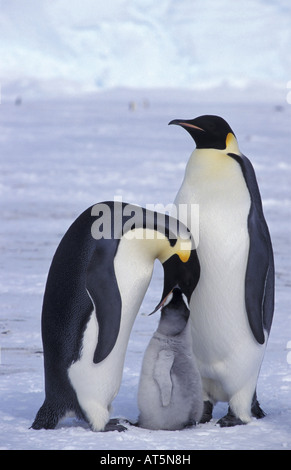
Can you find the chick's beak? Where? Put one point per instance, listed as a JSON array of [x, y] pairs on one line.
[[162, 303]]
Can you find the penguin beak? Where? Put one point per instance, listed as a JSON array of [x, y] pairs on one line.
[[162, 303], [185, 124]]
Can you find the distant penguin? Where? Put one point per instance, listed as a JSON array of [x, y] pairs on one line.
[[170, 389], [96, 283], [232, 307]]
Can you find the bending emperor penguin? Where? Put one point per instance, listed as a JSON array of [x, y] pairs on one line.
[[170, 390], [96, 283], [232, 307]]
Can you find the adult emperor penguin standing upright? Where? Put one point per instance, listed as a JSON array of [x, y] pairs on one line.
[[96, 283], [232, 307]]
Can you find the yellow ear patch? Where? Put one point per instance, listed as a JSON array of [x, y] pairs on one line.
[[184, 255], [229, 139], [231, 144]]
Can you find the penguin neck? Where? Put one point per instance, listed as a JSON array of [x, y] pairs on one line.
[[134, 263], [147, 245], [213, 164], [172, 339]]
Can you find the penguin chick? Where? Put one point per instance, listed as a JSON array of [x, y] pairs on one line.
[[170, 390]]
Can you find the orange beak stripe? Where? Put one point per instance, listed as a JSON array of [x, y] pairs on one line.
[[187, 124]]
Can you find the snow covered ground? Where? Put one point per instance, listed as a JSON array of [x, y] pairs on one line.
[[60, 156]]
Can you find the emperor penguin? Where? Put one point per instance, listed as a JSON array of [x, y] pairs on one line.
[[96, 283], [232, 307], [170, 389]]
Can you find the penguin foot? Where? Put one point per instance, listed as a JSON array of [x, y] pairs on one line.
[[114, 425], [229, 420], [207, 412], [47, 417], [136, 424], [257, 411]]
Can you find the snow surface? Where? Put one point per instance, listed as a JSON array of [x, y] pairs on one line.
[[60, 156], [68, 45]]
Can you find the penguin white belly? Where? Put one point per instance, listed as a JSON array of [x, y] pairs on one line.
[[96, 385], [222, 339]]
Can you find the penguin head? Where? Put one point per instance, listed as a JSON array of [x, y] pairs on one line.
[[174, 314], [208, 131], [180, 272]]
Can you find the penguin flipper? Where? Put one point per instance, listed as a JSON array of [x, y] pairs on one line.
[[162, 374], [259, 281], [102, 287]]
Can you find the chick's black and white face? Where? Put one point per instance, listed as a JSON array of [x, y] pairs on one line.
[[174, 314]]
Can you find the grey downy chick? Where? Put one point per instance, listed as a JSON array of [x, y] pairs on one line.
[[170, 390]]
